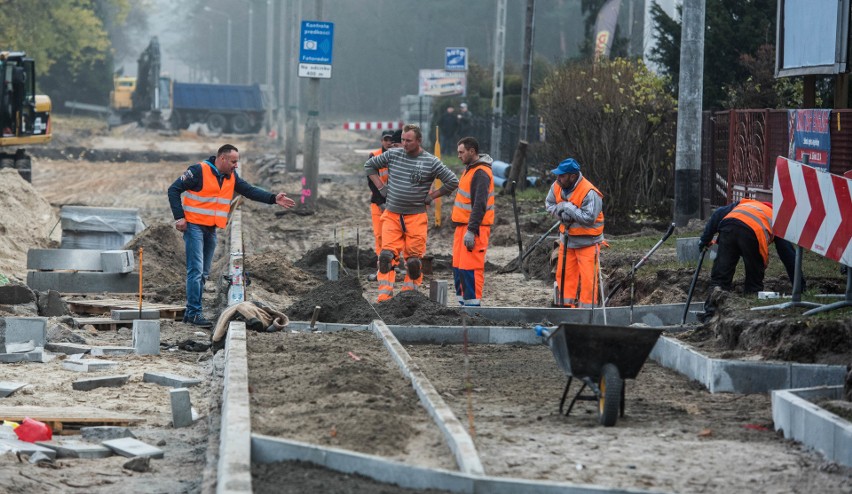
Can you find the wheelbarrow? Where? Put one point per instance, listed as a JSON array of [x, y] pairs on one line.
[[601, 357]]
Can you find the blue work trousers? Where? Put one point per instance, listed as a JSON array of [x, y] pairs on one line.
[[200, 244]]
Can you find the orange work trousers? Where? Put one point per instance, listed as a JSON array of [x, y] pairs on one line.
[[404, 234], [580, 276], [469, 266], [385, 280]]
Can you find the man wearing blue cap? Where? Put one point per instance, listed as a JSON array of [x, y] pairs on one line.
[[579, 205]]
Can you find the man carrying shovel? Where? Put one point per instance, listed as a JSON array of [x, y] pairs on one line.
[[579, 205]]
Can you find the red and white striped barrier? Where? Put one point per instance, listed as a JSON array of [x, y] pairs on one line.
[[813, 208], [373, 125]]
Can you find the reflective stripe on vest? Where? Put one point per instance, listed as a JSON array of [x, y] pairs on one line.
[[463, 205], [581, 190], [209, 206], [758, 217], [383, 172]]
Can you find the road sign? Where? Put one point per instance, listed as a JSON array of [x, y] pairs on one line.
[[436, 82], [455, 59], [315, 49]]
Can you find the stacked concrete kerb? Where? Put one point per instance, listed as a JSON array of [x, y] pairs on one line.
[[236, 292], [82, 270], [795, 413], [234, 468]]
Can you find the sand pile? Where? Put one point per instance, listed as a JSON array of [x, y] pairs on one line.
[[163, 255], [26, 219], [274, 272]]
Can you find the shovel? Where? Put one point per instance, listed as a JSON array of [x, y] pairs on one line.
[[692, 285]]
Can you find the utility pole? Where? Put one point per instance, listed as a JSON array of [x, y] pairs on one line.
[[688, 146], [497, 98], [249, 77], [283, 65], [312, 134], [291, 146], [270, 64], [519, 174]]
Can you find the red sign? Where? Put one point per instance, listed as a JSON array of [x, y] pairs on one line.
[[813, 208], [373, 125]]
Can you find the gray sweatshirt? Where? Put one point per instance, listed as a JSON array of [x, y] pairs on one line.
[[410, 178], [585, 215]]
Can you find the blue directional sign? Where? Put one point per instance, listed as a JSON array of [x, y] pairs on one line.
[[315, 47], [456, 59]]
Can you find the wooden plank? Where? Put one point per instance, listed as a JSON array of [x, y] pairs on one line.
[[98, 307], [81, 415], [98, 322]]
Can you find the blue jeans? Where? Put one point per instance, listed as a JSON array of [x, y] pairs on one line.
[[200, 244]]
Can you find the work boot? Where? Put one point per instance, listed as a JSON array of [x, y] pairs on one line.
[[385, 259], [413, 266], [198, 320]]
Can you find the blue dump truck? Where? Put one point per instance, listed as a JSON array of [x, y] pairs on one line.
[[223, 107]]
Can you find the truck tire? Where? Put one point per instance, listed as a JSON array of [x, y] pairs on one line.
[[216, 122], [240, 124]]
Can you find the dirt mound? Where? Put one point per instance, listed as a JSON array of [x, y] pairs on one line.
[[163, 256], [275, 273], [415, 309], [26, 220], [314, 260], [339, 301]]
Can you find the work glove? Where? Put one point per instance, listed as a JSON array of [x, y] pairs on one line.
[[701, 246], [469, 239], [565, 216]]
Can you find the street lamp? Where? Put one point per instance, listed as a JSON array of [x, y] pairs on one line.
[[228, 54]]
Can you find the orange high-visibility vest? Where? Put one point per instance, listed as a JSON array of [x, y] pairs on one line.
[[758, 217], [580, 191], [383, 172], [210, 205], [463, 204]]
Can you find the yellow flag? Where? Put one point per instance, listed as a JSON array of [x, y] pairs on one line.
[[438, 182]]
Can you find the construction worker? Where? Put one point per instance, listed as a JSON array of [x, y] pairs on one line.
[[579, 205], [377, 200], [207, 188], [411, 171], [473, 215], [745, 230]]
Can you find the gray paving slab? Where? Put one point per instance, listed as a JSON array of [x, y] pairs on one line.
[[181, 407], [146, 337], [130, 314], [332, 268], [99, 351], [67, 348], [9, 387], [88, 365], [83, 282], [76, 449], [24, 329], [105, 433], [170, 380], [62, 259], [130, 447], [26, 448], [35, 356], [22, 347], [117, 261], [100, 382]]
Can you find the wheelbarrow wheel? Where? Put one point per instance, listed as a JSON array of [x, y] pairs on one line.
[[609, 401]]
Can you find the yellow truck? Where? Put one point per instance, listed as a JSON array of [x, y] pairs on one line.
[[24, 115]]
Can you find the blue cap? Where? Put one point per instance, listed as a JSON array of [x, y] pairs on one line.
[[569, 165]]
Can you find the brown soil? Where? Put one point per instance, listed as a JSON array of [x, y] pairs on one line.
[[298, 478], [275, 273]]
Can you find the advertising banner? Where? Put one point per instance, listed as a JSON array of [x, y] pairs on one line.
[[809, 134], [437, 82]]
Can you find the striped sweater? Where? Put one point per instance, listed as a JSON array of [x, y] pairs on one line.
[[410, 178]]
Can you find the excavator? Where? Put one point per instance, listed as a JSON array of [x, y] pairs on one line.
[[24, 115]]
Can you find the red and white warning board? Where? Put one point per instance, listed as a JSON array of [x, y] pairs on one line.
[[372, 125], [813, 209]]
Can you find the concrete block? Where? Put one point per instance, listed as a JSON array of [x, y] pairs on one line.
[[76, 449], [131, 314], [83, 282], [67, 348], [843, 445], [100, 382], [23, 347], [146, 337], [64, 259], [16, 294], [332, 268], [99, 351], [26, 448], [117, 261], [811, 375], [170, 380], [105, 433], [36, 355], [23, 329], [9, 387], [739, 376], [687, 250], [133, 447], [438, 291], [181, 407], [88, 365], [820, 425], [50, 304]]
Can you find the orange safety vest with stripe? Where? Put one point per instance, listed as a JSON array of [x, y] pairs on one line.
[[210, 205], [758, 217], [383, 172], [463, 205], [581, 190]]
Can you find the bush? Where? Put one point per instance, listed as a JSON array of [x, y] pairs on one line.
[[617, 120]]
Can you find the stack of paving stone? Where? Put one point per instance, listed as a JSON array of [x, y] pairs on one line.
[[82, 270], [98, 228]]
